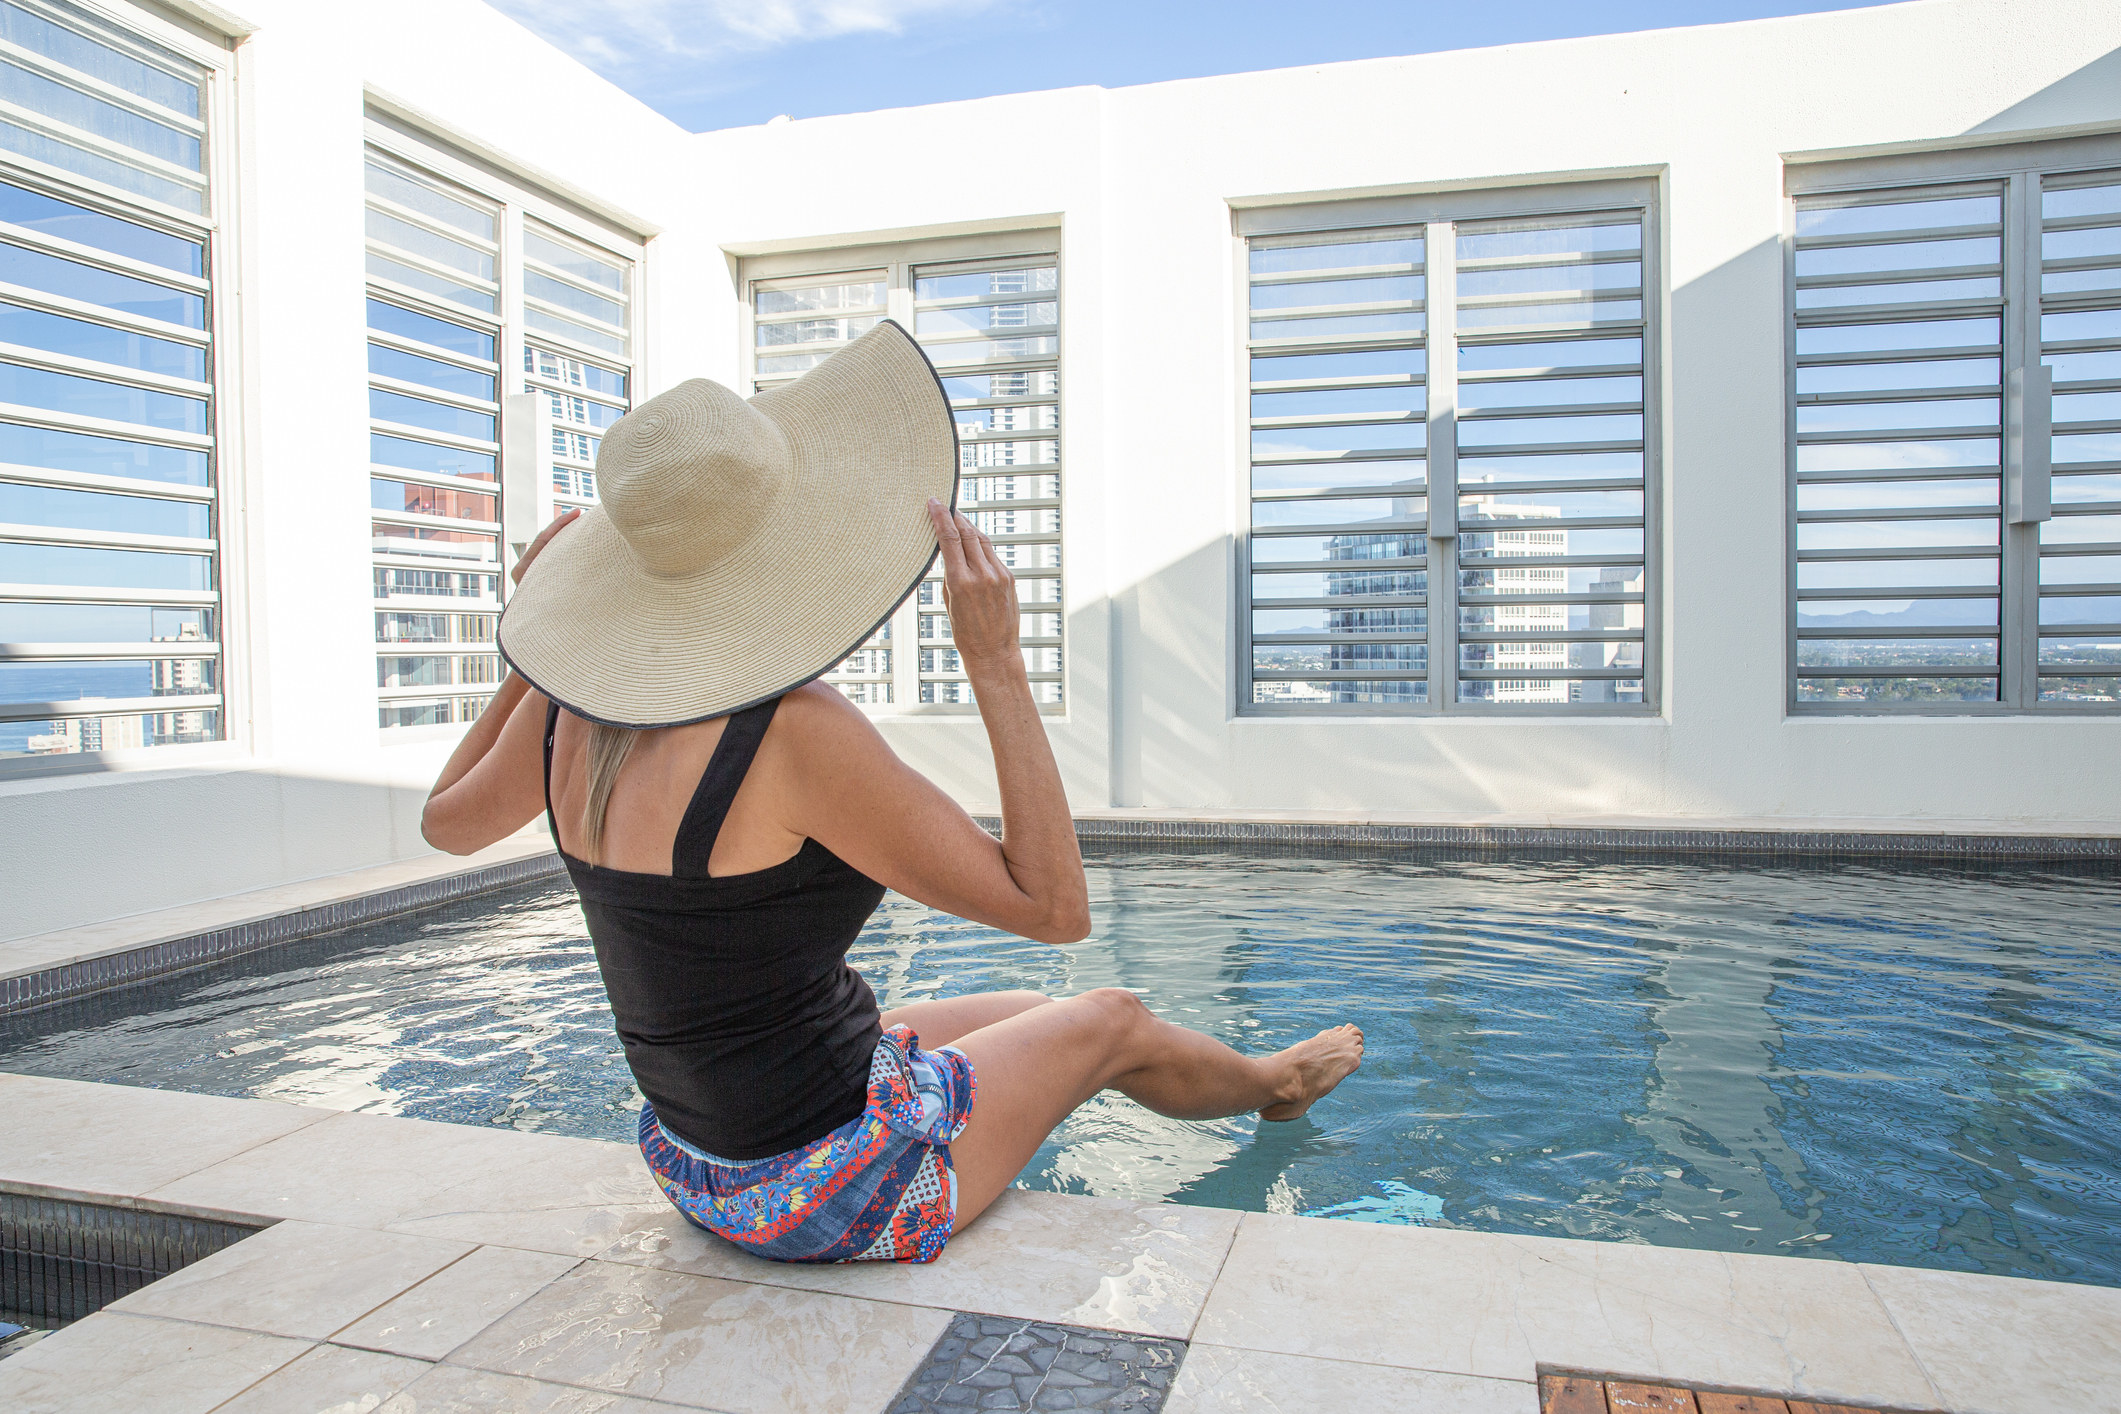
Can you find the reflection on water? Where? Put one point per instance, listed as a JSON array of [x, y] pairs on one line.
[[1904, 1064]]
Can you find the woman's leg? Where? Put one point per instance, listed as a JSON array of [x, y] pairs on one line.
[[945, 1019], [1036, 1066]]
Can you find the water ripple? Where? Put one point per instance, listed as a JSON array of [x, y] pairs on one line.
[[1881, 1063]]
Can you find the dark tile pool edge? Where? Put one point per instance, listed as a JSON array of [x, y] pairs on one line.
[[69, 980], [1790, 843], [63, 1259]]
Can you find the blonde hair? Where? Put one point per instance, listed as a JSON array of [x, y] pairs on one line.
[[606, 755]]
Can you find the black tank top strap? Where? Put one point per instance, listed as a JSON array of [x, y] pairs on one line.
[[718, 786]]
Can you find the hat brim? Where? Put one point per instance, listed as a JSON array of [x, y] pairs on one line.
[[872, 438]]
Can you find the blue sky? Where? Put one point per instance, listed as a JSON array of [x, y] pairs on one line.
[[725, 63]]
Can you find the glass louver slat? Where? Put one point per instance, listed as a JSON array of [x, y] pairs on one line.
[[991, 330], [434, 459], [1339, 404], [1898, 426], [1524, 641], [108, 507], [2079, 575]]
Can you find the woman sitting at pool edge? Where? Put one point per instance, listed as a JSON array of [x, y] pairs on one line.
[[730, 823]]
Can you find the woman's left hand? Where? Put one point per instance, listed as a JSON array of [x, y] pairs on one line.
[[559, 522]]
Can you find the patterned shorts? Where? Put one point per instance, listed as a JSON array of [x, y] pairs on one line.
[[877, 1189]]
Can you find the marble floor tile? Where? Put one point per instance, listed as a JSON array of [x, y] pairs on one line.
[[456, 1303], [452, 1389], [1143, 1267], [571, 1196], [1493, 1305], [2003, 1345], [708, 1343], [113, 1364], [295, 1279], [105, 1141], [1219, 1380], [328, 1380], [368, 1170]]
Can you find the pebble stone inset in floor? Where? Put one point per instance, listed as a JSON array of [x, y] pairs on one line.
[[988, 1362]]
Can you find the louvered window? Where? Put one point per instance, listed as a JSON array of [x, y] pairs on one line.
[[447, 320], [1449, 459], [111, 625], [1956, 467], [990, 324]]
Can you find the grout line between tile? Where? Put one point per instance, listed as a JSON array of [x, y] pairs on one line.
[[1893, 1320], [245, 1152], [332, 1338], [1221, 1263]]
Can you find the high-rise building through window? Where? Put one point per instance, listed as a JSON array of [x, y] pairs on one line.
[[987, 313], [1450, 455], [476, 292], [111, 520], [1955, 474]]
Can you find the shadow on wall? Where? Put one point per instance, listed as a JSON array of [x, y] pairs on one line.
[[2085, 96]]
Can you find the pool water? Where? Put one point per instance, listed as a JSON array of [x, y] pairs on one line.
[[1914, 1064]]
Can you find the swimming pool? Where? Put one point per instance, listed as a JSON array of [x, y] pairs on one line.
[[1914, 1064]]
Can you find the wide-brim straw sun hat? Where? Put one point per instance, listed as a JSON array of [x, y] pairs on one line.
[[740, 548]]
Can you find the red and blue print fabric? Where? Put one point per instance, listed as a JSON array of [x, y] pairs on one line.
[[877, 1189]]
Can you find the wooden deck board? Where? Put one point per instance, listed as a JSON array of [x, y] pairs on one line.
[[1571, 1394], [1739, 1403], [1597, 1394]]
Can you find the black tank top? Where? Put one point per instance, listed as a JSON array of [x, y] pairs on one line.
[[742, 1021]]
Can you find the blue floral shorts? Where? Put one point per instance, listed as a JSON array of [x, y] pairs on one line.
[[879, 1188]]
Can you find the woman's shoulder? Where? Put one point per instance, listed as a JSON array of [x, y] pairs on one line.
[[818, 714]]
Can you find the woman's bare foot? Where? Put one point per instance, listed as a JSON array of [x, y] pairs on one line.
[[1318, 1064]]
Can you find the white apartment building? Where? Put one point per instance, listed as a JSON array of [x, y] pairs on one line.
[[1715, 425]]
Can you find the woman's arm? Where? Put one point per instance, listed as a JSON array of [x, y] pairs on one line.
[[493, 783], [853, 794]]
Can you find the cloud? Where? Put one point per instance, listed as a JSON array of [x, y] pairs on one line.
[[621, 37]]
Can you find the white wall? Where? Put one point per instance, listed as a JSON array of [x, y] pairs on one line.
[[1143, 179]]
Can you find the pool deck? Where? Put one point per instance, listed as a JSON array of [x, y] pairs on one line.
[[417, 1266]]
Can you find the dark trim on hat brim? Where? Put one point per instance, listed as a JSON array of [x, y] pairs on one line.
[[956, 476]]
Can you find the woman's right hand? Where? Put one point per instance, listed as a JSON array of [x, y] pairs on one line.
[[559, 522], [979, 591]]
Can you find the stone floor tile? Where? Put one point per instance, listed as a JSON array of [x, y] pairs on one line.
[[571, 1196], [295, 1279], [444, 1180], [1494, 1305], [452, 1389], [1219, 1380], [136, 1365], [2004, 1345], [330, 1380], [708, 1343], [105, 1141], [456, 1303], [1104, 1262]]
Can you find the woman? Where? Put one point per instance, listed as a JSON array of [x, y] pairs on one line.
[[730, 823]]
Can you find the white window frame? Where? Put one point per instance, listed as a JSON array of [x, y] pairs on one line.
[[897, 259], [2019, 166], [1439, 212], [524, 456], [226, 376]]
